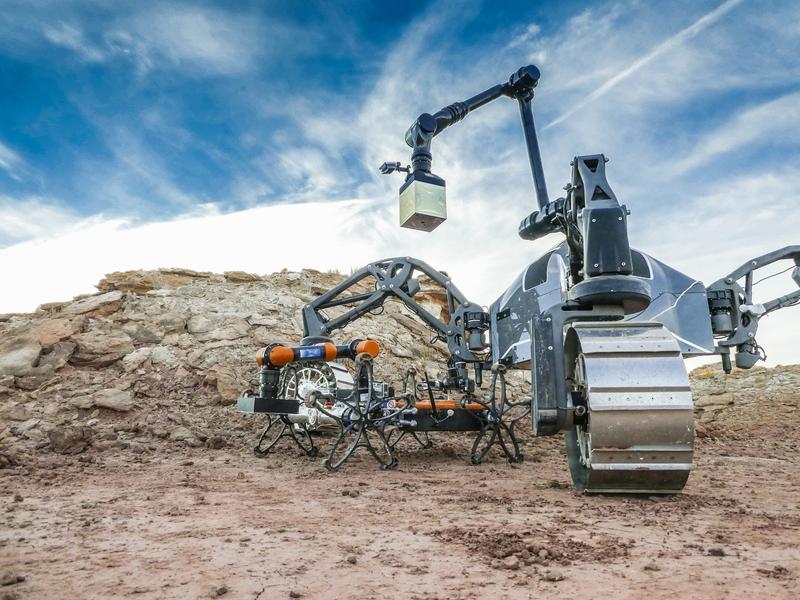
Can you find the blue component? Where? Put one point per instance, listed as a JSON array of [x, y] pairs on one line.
[[312, 352]]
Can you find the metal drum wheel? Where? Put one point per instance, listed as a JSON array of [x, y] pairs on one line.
[[633, 423]]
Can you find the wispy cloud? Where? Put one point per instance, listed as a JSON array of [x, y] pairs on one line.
[[72, 38], [291, 144], [167, 36], [776, 121], [11, 162], [663, 48], [32, 218]]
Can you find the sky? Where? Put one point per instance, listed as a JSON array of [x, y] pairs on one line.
[[248, 135]]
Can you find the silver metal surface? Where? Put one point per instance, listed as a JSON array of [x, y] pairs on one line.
[[638, 433], [297, 382]]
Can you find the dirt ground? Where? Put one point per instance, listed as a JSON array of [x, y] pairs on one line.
[[200, 523]]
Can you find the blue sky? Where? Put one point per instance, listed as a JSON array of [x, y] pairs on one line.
[[166, 133]]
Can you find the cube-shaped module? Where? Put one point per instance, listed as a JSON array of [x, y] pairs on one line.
[[423, 204]]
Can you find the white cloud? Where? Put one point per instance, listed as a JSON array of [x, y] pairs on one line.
[[11, 162], [71, 37], [775, 121], [704, 227], [529, 32], [664, 47], [169, 36], [31, 217]]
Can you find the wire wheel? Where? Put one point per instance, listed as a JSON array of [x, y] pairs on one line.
[[379, 447], [303, 439], [344, 445], [273, 432], [297, 381]]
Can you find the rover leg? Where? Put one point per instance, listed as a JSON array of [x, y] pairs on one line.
[[279, 427], [633, 421]]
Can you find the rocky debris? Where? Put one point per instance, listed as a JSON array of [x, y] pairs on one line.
[[113, 399], [100, 348], [141, 282], [19, 355], [102, 304], [70, 440], [745, 401], [160, 356], [241, 277], [54, 330], [9, 578]]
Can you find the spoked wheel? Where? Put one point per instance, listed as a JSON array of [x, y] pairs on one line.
[[423, 439], [495, 433], [483, 443], [377, 444], [498, 426], [279, 427], [303, 439], [344, 445], [394, 435], [633, 425], [271, 435]]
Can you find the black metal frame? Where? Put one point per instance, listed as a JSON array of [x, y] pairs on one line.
[[396, 278]]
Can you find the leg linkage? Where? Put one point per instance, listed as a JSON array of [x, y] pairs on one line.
[[279, 427], [498, 421]]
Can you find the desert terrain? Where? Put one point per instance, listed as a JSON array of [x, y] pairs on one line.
[[127, 473]]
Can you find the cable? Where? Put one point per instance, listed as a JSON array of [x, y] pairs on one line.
[[789, 268], [678, 299]]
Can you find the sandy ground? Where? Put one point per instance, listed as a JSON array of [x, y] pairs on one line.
[[198, 523]]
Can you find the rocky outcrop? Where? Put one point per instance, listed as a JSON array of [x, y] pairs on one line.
[[160, 356]]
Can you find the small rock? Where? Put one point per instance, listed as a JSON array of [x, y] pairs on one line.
[[511, 562], [102, 304], [9, 578], [542, 554], [652, 567], [18, 498], [161, 355], [716, 552], [18, 355], [134, 360], [553, 576], [181, 434], [119, 400], [294, 594], [351, 558], [69, 440], [100, 348], [221, 590], [215, 442]]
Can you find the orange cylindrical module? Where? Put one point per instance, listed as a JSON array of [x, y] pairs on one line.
[[276, 356]]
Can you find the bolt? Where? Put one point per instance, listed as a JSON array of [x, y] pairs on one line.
[[392, 286], [623, 263], [549, 347], [596, 265], [458, 352], [548, 319], [619, 218], [594, 220]]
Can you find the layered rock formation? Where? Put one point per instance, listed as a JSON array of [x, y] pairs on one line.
[[160, 356]]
